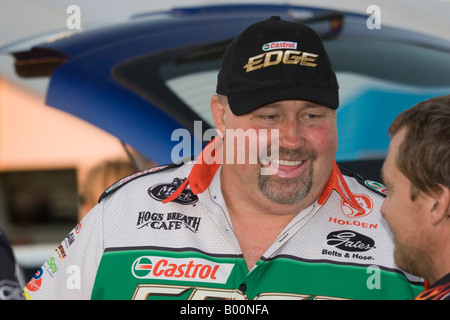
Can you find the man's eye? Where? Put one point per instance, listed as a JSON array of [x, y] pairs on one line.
[[268, 117], [312, 116]]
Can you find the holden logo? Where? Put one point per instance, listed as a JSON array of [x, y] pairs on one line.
[[350, 241], [364, 201], [164, 190]]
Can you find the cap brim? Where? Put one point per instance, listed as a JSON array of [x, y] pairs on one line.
[[242, 103]]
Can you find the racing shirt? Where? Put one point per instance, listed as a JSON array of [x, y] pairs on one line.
[[165, 233]]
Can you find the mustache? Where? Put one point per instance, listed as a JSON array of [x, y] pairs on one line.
[[299, 154]]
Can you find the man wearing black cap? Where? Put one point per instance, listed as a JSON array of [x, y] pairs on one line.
[[288, 225], [276, 75]]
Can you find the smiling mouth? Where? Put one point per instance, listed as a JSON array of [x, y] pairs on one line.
[[287, 163], [291, 163], [281, 162], [286, 169]]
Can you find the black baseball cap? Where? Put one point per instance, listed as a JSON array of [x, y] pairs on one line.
[[276, 60]]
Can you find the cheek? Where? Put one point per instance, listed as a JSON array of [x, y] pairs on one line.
[[386, 210], [324, 144], [324, 141], [399, 216]]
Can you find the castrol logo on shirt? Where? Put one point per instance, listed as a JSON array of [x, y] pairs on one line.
[[181, 269]]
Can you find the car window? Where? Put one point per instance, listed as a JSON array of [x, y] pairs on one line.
[[174, 80], [190, 74]]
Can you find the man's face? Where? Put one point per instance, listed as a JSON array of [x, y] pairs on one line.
[[307, 141], [406, 218]]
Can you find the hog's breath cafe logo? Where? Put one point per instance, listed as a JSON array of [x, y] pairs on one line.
[[162, 191], [167, 221]]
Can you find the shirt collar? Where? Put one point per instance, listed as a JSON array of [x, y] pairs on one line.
[[203, 171], [206, 166], [337, 183]]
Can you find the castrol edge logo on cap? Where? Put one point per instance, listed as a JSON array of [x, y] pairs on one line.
[[181, 269], [280, 52], [279, 45]]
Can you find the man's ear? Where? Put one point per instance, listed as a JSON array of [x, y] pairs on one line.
[[218, 112], [441, 206]]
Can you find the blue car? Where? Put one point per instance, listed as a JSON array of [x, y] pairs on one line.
[[142, 79]]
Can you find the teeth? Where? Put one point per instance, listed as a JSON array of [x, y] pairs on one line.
[[287, 162]]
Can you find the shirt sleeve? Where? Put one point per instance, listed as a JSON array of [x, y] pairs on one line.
[[70, 272]]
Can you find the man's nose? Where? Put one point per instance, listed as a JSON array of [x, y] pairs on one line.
[[292, 134]]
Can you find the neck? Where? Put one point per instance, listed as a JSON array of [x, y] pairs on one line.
[[256, 227], [440, 258], [257, 221]]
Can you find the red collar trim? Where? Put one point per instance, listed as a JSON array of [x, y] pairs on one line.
[[203, 172], [337, 183], [207, 164]]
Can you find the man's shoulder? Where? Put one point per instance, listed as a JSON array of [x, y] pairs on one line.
[[368, 183], [155, 174]]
